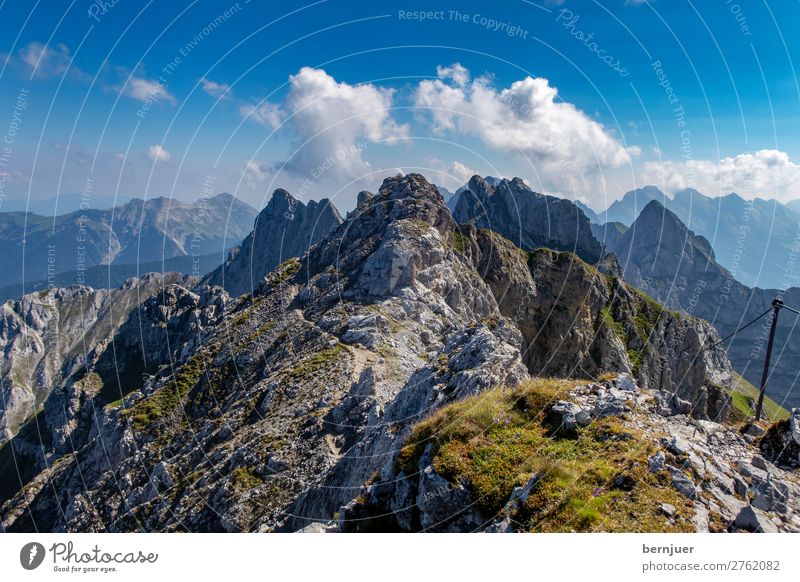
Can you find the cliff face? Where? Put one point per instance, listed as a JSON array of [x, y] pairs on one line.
[[49, 337], [660, 255], [286, 228], [274, 413], [526, 218]]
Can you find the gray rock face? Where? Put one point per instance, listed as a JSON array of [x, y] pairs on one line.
[[526, 218], [52, 340], [577, 322], [752, 520], [286, 228]]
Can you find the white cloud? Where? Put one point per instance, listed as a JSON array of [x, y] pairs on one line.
[[333, 123], [267, 114], [45, 60], [562, 141], [254, 172], [460, 172], [146, 90], [216, 90], [158, 154], [455, 72], [765, 173]]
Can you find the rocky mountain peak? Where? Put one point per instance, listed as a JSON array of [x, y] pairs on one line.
[[527, 218], [285, 228]]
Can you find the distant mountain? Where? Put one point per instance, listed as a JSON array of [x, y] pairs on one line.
[[112, 276], [609, 234], [453, 198], [38, 247], [590, 214], [793, 205], [755, 240], [630, 205], [527, 218], [285, 229], [662, 256], [62, 204]]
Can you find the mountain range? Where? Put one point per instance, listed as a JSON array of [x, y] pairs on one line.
[[411, 369], [753, 239], [39, 247]]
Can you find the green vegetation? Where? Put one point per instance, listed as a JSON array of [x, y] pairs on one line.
[[166, 399], [607, 317], [743, 402], [597, 480], [317, 362], [283, 272], [244, 478], [459, 242]]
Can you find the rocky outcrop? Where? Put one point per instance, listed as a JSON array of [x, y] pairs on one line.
[[48, 336], [697, 475], [278, 407], [286, 228], [526, 218]]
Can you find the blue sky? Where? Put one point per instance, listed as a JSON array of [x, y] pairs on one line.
[[583, 99]]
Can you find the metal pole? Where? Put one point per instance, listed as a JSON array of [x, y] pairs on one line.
[[776, 307]]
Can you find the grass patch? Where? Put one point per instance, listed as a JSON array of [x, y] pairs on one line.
[[743, 402], [459, 242], [317, 362], [285, 271], [495, 441], [166, 399], [244, 478]]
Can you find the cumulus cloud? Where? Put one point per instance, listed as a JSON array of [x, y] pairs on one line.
[[764, 173], [45, 60], [526, 118], [216, 90], [455, 72], [265, 113], [460, 172], [333, 123], [146, 90], [158, 154]]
